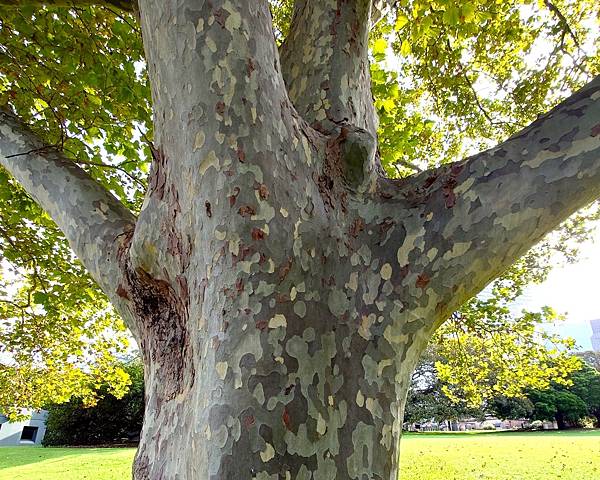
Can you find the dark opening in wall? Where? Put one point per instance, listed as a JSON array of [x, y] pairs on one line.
[[29, 434]]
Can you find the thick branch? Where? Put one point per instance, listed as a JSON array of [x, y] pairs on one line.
[[127, 5], [482, 214], [93, 221], [325, 63], [219, 99]]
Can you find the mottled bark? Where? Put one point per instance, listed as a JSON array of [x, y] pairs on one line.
[[94, 221], [472, 219], [325, 64], [282, 288]]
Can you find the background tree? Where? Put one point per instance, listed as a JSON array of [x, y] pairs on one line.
[[426, 399], [280, 287], [511, 408], [561, 406], [109, 420], [586, 385]]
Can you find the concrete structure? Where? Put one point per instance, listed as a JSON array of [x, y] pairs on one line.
[[28, 432], [595, 335]]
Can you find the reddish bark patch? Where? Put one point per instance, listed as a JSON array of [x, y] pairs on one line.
[[449, 196], [262, 324], [422, 280], [122, 292], [358, 225], [282, 298], [244, 251], [285, 269], [263, 191], [251, 66], [257, 234], [241, 155], [220, 108], [596, 130], [233, 197], [287, 421], [430, 181], [221, 16], [450, 184], [249, 421], [247, 211], [386, 224]]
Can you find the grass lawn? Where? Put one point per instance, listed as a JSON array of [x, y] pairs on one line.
[[569, 455], [453, 456], [36, 463]]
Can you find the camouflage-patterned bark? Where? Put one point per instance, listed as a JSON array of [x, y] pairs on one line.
[[280, 287]]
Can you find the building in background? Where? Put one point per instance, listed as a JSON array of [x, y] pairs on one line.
[[595, 335], [27, 432]]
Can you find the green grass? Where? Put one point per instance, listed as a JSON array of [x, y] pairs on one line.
[[572, 455], [35, 463], [569, 455]]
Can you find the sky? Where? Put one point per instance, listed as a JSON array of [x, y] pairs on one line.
[[573, 290]]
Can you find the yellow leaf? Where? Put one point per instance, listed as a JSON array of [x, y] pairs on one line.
[[401, 20], [379, 46], [405, 48]]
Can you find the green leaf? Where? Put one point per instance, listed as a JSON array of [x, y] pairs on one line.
[[451, 15]]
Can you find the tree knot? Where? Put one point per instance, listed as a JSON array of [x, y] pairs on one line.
[[355, 150]]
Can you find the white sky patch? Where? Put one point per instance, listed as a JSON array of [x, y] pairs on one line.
[[572, 290]]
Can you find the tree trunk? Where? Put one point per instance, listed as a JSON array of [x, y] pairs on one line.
[[280, 287], [561, 423], [291, 392]]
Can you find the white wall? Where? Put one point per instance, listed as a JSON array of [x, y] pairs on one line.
[[10, 433]]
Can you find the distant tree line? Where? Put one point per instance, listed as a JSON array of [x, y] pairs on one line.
[[569, 402], [112, 420]]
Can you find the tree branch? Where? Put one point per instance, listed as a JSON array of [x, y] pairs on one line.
[[92, 220], [563, 22], [485, 212], [325, 64], [126, 5], [218, 98]]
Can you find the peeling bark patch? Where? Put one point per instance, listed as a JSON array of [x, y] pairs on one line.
[[247, 211], [163, 319], [122, 292], [158, 178], [263, 191]]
